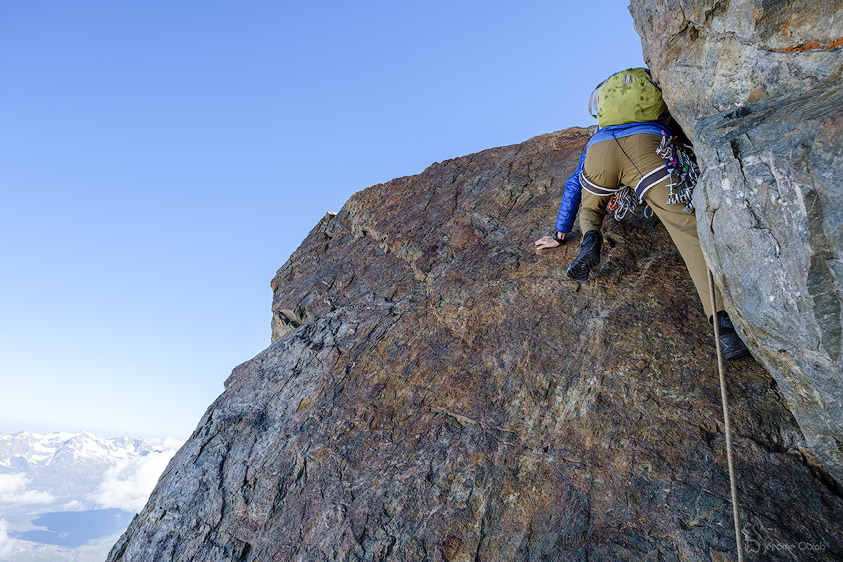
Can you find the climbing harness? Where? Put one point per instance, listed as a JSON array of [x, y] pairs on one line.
[[726, 423], [683, 171], [626, 199], [679, 169]]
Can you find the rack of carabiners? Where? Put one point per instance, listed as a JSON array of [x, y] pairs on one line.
[[683, 171], [622, 202]]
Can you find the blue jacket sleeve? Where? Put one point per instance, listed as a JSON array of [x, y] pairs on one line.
[[570, 200]]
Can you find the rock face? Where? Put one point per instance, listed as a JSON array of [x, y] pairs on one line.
[[437, 391], [757, 85]]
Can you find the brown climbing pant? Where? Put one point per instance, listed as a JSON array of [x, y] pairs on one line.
[[614, 163]]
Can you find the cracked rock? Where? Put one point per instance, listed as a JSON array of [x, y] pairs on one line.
[[451, 395]]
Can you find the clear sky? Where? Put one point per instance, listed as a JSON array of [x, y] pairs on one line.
[[159, 161]]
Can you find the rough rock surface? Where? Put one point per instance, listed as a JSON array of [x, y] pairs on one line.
[[757, 85], [437, 391]]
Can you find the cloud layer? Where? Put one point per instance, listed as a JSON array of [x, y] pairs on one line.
[[127, 484], [6, 544], [13, 491]]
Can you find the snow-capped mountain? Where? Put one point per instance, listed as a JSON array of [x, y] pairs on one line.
[[39, 449], [52, 485], [66, 465]]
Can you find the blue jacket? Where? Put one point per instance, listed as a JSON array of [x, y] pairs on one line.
[[571, 199]]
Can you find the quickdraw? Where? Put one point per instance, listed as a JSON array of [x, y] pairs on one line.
[[623, 202], [683, 171]]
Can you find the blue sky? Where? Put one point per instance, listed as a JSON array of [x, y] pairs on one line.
[[159, 161]]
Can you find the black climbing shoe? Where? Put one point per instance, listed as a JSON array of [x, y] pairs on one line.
[[730, 342], [589, 256]]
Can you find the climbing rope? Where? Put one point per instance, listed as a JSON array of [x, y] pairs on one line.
[[726, 423]]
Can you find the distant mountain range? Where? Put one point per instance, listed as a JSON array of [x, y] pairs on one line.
[[68, 466], [68, 496]]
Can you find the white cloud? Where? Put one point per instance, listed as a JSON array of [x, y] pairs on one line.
[[76, 505], [127, 484], [165, 443], [13, 491], [7, 544]]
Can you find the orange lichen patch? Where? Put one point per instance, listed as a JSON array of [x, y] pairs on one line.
[[784, 29], [836, 43], [802, 47]]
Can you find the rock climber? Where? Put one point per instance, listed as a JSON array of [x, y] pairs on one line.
[[633, 159]]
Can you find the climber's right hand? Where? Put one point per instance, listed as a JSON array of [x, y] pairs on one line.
[[548, 242]]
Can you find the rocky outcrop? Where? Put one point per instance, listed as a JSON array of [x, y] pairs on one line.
[[437, 391], [757, 85]]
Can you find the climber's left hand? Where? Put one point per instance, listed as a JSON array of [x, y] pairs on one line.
[[547, 242]]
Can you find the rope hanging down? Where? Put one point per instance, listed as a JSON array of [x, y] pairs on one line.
[[726, 423]]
